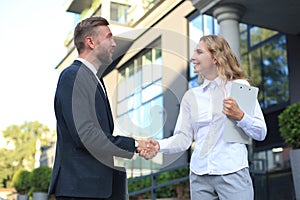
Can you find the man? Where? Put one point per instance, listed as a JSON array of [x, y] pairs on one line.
[[83, 167]]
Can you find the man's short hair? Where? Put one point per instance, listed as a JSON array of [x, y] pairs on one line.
[[87, 28]]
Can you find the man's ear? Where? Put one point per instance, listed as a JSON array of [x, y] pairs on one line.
[[90, 42]]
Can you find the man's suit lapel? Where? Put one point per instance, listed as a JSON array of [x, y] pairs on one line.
[[107, 104], [103, 95]]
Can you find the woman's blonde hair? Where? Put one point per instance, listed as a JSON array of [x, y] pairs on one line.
[[227, 63]]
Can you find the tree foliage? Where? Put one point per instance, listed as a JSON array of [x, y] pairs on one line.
[[24, 139]]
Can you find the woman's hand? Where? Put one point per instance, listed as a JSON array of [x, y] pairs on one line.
[[232, 110]]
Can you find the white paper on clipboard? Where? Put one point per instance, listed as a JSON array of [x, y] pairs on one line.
[[245, 96]]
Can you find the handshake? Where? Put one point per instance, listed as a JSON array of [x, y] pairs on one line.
[[147, 148]]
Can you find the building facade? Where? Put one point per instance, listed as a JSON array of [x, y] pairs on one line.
[[152, 70]]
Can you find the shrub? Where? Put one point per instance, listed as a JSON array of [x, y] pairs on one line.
[[40, 179], [289, 125], [181, 189], [139, 185], [21, 181]]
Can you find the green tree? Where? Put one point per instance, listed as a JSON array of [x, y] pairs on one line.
[[6, 167], [24, 139]]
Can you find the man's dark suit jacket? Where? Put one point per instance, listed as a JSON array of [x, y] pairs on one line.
[[85, 146]]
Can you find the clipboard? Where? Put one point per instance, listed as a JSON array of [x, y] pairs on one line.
[[246, 97]]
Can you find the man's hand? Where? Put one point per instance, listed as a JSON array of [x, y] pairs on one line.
[[148, 148], [142, 145]]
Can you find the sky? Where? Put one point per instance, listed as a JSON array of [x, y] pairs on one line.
[[32, 35]]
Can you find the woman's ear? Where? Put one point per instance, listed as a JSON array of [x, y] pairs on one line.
[[215, 61]]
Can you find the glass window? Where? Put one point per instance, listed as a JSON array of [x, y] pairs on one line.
[[258, 35], [152, 91], [147, 68], [148, 4], [266, 64], [157, 65], [216, 27], [118, 12], [254, 68], [130, 80], [140, 101], [151, 116], [196, 27], [157, 116], [243, 28], [193, 82], [122, 107], [122, 84], [243, 42], [191, 71], [275, 70], [272, 159], [152, 66], [208, 25]]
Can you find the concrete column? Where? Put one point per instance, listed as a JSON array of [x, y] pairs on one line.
[[228, 16]]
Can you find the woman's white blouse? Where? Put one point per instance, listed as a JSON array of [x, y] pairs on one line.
[[198, 120]]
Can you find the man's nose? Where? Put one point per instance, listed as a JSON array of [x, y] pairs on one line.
[[114, 43]]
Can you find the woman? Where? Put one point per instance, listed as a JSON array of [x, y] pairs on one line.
[[218, 169]]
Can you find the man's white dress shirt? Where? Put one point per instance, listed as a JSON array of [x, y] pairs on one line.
[[201, 119], [93, 69]]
